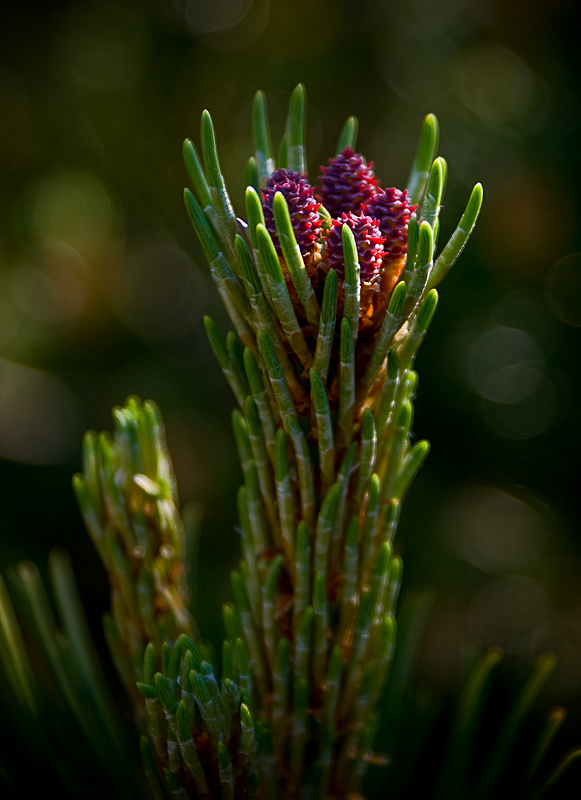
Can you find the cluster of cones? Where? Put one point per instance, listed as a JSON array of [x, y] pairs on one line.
[[348, 193]]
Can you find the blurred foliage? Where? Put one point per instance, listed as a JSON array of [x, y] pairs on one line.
[[99, 299]]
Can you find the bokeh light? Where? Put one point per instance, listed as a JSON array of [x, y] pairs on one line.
[[497, 85], [156, 293], [506, 609], [506, 365], [494, 530], [72, 207], [563, 288], [211, 16], [54, 288], [104, 52], [39, 423]]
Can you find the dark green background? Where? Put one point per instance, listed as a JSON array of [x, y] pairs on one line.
[[103, 286]]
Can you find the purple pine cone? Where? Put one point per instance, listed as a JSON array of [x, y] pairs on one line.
[[347, 183], [392, 209], [302, 205], [369, 243]]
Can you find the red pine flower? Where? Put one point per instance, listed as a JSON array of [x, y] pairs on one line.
[[347, 183], [302, 205], [368, 240], [392, 209]]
